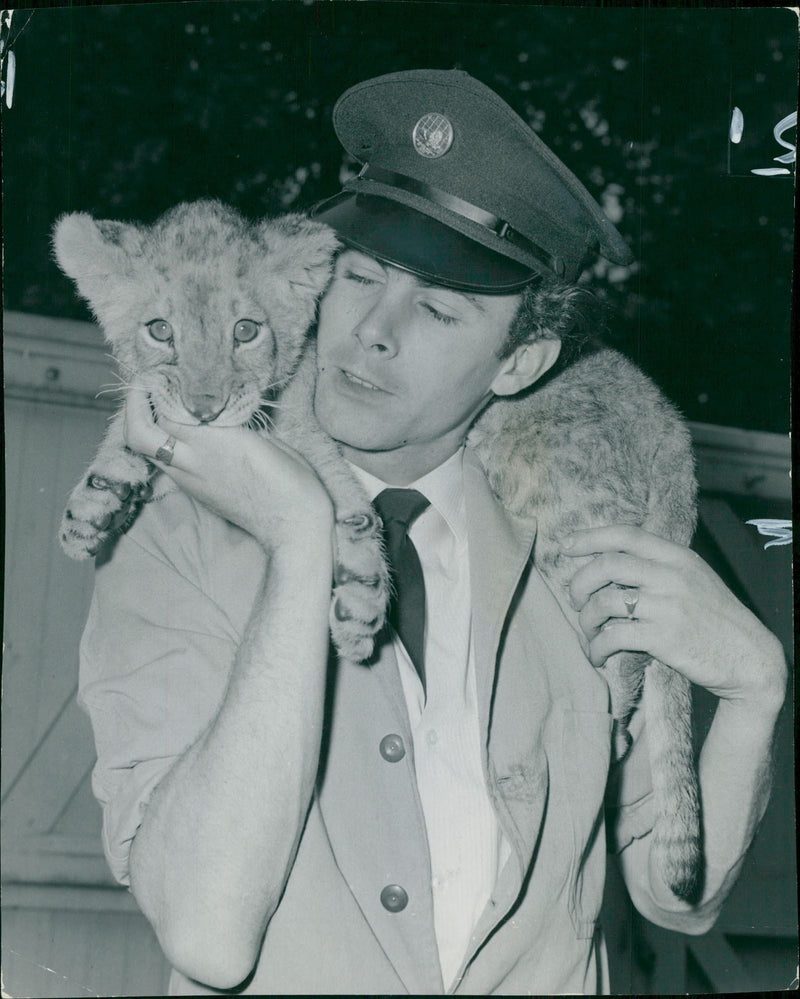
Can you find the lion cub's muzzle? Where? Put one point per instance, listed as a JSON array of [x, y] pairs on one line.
[[204, 406]]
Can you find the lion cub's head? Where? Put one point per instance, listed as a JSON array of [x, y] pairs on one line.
[[210, 310]]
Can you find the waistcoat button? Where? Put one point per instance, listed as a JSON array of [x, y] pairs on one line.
[[392, 748], [394, 898]]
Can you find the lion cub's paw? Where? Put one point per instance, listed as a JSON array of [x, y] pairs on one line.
[[98, 507], [361, 587]]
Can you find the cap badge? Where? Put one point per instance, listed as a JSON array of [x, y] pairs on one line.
[[432, 135]]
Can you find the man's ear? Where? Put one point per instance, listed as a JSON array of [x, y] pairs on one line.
[[525, 366]]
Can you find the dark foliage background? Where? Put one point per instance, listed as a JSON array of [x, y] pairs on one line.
[[122, 111]]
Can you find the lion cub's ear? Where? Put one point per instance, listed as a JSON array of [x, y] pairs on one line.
[[301, 250], [91, 252]]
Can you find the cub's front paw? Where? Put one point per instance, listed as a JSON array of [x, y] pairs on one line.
[[361, 587], [98, 507]]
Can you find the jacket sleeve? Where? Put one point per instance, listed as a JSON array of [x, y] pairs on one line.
[[629, 795], [166, 617]]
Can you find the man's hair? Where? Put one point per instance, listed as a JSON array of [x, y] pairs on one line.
[[551, 309]]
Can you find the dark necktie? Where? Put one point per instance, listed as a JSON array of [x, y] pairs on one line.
[[398, 509]]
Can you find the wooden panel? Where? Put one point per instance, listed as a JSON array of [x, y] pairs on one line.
[[48, 750], [55, 860], [46, 594], [56, 360], [722, 965], [647, 960], [28, 896], [764, 901], [765, 574], [50, 952], [49, 780], [746, 462], [57, 941], [773, 960], [81, 815]]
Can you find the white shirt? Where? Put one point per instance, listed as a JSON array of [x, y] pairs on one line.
[[466, 844]]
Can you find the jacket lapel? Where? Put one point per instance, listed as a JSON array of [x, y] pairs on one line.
[[499, 552], [514, 695]]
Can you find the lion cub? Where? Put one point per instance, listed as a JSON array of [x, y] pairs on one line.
[[211, 312]]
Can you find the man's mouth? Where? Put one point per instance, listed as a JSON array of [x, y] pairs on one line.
[[360, 381]]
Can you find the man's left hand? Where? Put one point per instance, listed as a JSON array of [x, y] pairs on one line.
[[683, 614]]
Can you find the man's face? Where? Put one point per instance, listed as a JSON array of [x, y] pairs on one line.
[[404, 366]]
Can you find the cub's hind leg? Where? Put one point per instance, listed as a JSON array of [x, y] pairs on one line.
[[107, 498]]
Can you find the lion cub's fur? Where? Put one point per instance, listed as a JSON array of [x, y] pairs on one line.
[[595, 446], [203, 268]]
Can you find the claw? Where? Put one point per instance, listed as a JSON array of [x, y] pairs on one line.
[[121, 490], [345, 575], [143, 492], [362, 524], [339, 612]]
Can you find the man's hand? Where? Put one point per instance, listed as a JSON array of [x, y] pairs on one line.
[[684, 616], [257, 483], [206, 870]]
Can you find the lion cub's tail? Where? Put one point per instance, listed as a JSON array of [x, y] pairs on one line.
[[677, 843]]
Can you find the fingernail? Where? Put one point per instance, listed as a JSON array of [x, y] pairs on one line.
[[568, 542]]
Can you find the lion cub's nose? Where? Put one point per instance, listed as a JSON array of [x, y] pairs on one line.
[[206, 407]]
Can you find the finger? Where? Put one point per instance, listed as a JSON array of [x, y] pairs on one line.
[[139, 412], [619, 635], [606, 604], [142, 434], [174, 428], [619, 538], [624, 570], [138, 426]]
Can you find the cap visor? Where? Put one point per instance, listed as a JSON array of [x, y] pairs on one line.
[[399, 235]]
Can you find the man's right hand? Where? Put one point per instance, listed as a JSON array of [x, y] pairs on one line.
[[258, 483], [206, 871]]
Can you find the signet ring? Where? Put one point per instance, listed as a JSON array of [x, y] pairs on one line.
[[630, 601], [166, 452]]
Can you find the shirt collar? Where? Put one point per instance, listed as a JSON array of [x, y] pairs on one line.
[[443, 486]]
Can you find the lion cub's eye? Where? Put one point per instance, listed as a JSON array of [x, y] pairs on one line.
[[245, 330], [160, 330]]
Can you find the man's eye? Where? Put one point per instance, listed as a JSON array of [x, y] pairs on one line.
[[245, 330], [440, 317], [160, 329], [359, 278]]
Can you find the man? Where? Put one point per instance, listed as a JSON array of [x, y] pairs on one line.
[[294, 826]]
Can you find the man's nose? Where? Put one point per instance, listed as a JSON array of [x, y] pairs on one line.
[[377, 330]]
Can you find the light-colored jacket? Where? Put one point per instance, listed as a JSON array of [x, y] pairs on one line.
[[545, 723]]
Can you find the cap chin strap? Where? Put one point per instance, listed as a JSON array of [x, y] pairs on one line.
[[497, 226]]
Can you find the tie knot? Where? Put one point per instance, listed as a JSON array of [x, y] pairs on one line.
[[401, 506]]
